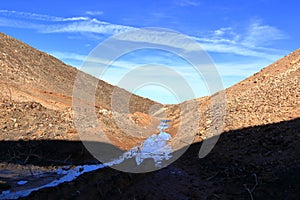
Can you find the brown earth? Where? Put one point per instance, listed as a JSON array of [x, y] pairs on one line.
[[28, 76], [269, 96], [261, 131]]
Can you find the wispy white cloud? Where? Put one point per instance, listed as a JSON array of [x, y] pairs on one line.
[[14, 23], [74, 19], [39, 17], [260, 34], [186, 3], [254, 42], [68, 55], [95, 61], [160, 15], [222, 31], [94, 13], [59, 24], [27, 15], [242, 69], [239, 49], [89, 26], [231, 43]]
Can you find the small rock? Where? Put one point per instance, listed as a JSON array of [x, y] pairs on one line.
[[294, 62], [22, 182]]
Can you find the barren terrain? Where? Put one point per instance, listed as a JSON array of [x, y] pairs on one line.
[[257, 154]]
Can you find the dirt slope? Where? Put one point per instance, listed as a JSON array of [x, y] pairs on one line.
[[28, 75], [260, 140], [36, 97], [46, 79], [269, 96]]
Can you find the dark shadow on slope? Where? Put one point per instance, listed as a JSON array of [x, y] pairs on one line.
[[51, 152], [269, 152]]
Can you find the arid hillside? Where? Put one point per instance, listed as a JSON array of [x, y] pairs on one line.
[[36, 97], [271, 95], [256, 156], [29, 74], [36, 100]]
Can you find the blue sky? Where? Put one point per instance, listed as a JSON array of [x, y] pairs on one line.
[[241, 37]]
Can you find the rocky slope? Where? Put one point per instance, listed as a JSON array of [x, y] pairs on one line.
[[269, 96], [28, 75], [256, 156], [36, 97]]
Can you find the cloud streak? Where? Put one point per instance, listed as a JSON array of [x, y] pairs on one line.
[[56, 24], [243, 69], [187, 3], [39, 17], [89, 26], [254, 42], [259, 34], [94, 13]]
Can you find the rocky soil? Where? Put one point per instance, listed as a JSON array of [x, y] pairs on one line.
[[258, 147], [269, 96]]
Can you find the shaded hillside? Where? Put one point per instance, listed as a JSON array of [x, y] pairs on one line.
[[262, 156]]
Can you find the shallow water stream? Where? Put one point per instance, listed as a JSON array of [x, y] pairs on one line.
[[26, 180]]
